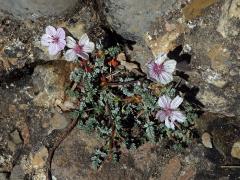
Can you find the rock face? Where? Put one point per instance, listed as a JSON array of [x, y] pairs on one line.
[[132, 19], [36, 8]]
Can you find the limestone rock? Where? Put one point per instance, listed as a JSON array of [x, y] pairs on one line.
[[58, 121], [235, 152], [40, 158], [143, 14], [15, 136], [36, 8], [206, 140], [49, 83], [230, 16]]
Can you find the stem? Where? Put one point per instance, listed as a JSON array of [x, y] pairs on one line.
[[117, 84]]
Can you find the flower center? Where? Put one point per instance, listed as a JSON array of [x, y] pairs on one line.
[[78, 49], [168, 111], [158, 68], [55, 39]]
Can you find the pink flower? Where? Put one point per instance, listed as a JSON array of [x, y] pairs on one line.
[[80, 49], [161, 69], [54, 39], [169, 113]]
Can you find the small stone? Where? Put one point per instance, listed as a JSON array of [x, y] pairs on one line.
[[3, 176], [195, 8], [17, 173], [76, 29], [40, 158], [6, 162], [206, 140], [15, 137], [49, 81], [219, 57], [12, 108], [188, 174], [165, 43], [11, 146], [58, 121], [172, 169], [235, 152], [23, 106]]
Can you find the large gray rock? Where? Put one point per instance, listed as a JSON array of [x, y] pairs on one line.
[[36, 8], [133, 18]]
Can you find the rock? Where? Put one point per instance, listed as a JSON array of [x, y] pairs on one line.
[[171, 170], [40, 158], [140, 54], [213, 102], [143, 13], [228, 21], [58, 121], [3, 176], [50, 82], [187, 174], [5, 162], [34, 9], [72, 160], [15, 137], [206, 140], [17, 173], [76, 29], [235, 152], [225, 132], [219, 57], [11, 55], [165, 42], [144, 156], [195, 8]]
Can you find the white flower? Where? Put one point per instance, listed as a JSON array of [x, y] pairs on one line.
[[161, 69], [169, 113], [54, 39], [80, 49]]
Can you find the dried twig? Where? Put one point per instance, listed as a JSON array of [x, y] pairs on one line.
[[117, 84]]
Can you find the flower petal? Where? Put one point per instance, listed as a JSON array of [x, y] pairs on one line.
[[70, 55], [151, 72], [71, 43], [84, 40], [165, 78], [176, 102], [46, 40], [50, 30], [169, 66], [53, 49], [89, 47], [161, 116], [61, 33], [61, 44], [161, 58], [178, 116], [164, 101], [83, 55], [172, 126], [169, 124]]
